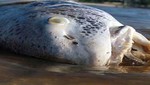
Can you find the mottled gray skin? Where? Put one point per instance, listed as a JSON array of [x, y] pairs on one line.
[[25, 29]]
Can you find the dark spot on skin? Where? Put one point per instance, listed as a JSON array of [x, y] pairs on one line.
[[56, 13], [19, 46], [95, 31], [104, 30], [31, 16], [18, 33], [47, 12], [32, 45], [64, 14], [50, 32], [11, 30], [14, 19], [74, 42], [107, 52], [25, 37], [92, 27], [11, 34], [71, 15], [76, 19], [17, 30], [4, 32], [38, 46], [81, 22], [44, 47], [19, 38], [43, 11], [88, 26], [97, 27], [22, 41], [17, 24], [80, 17], [51, 48], [85, 28], [62, 10], [83, 32], [87, 34], [92, 22]]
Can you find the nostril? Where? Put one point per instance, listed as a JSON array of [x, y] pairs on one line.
[[74, 42], [69, 37], [134, 49]]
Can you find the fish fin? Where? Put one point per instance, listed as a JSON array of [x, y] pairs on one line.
[[134, 58], [122, 40], [142, 42]]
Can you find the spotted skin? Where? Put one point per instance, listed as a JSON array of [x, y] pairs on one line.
[[25, 29]]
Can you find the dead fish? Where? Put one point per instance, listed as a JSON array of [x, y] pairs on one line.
[[67, 32]]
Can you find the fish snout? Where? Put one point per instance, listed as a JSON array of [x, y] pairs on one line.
[[99, 52]]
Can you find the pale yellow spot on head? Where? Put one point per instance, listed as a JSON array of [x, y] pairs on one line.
[[59, 21]]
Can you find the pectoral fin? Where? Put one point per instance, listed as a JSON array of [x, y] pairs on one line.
[[124, 40], [141, 42]]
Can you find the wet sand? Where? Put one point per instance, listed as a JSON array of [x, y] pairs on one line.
[[23, 70], [17, 69]]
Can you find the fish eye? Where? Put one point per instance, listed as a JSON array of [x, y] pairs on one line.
[[58, 21]]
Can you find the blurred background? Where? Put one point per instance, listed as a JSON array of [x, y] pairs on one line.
[[130, 3], [135, 13], [125, 3]]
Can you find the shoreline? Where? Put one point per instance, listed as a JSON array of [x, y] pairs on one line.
[[112, 4], [108, 4]]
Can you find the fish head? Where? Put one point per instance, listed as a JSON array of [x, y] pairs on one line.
[[78, 33]]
